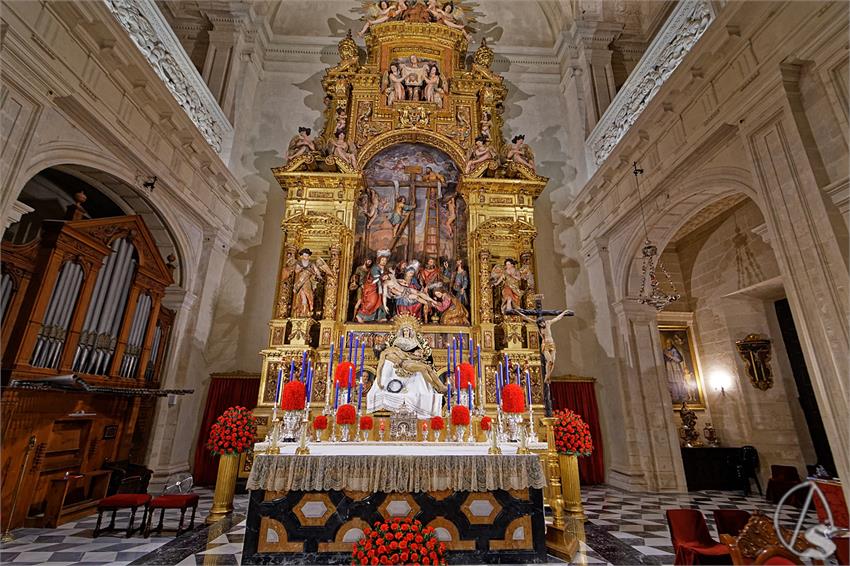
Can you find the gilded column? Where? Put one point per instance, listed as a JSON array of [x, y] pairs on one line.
[[284, 292], [331, 285]]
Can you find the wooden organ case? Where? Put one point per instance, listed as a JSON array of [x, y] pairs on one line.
[[84, 336]]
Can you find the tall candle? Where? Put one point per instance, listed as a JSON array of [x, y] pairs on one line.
[[350, 345], [336, 395], [470, 349], [341, 347], [507, 374], [279, 386], [518, 378], [350, 376], [457, 384], [449, 394], [360, 394], [448, 362], [454, 358], [469, 395], [362, 356], [460, 347], [498, 389], [356, 348], [331, 361], [291, 369], [303, 366], [528, 387], [309, 389], [479, 366]]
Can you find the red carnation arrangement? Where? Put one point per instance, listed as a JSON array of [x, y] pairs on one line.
[[467, 375], [460, 416], [294, 396], [513, 398], [572, 434], [341, 375], [486, 422], [399, 541], [346, 414], [320, 422], [366, 422], [437, 423], [234, 432]]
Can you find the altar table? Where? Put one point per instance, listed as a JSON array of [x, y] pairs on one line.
[[311, 509]]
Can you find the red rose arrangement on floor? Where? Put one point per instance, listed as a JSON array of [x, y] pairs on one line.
[[460, 416], [437, 423], [346, 414], [486, 422], [294, 396], [467, 375], [366, 423], [342, 373], [572, 434], [320, 422], [234, 432], [399, 541], [513, 398]]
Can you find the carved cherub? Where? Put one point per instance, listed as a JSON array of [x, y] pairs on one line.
[[300, 144], [479, 154], [344, 150], [519, 152]]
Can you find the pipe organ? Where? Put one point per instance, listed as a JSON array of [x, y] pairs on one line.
[[85, 298]]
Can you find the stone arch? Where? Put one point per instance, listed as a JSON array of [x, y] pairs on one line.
[[685, 201], [88, 163]]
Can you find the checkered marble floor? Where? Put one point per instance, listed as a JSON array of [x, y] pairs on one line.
[[622, 528]]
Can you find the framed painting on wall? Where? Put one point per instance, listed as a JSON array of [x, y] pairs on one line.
[[681, 364]]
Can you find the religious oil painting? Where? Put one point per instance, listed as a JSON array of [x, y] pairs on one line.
[[680, 363], [410, 246]]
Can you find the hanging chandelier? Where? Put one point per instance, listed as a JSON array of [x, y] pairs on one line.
[[651, 291]]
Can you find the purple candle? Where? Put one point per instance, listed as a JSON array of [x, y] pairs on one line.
[[528, 387], [498, 389], [309, 388], [470, 349], [331, 361], [336, 396], [479, 365], [350, 377], [460, 349], [518, 378], [350, 345], [279, 386], [356, 348], [341, 347], [457, 383], [469, 395], [291, 369], [507, 374], [449, 395], [303, 366]]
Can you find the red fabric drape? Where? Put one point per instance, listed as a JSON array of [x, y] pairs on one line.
[[580, 397], [225, 392]]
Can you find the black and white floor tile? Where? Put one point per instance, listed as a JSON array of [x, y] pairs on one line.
[[622, 528]]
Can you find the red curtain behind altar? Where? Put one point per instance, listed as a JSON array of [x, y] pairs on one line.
[[225, 392], [580, 397]]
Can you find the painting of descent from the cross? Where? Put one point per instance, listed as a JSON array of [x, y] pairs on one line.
[[410, 241]]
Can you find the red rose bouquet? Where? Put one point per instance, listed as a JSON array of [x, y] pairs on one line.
[[346, 414], [467, 375], [234, 432], [513, 398], [437, 423], [572, 434], [366, 422], [294, 396], [320, 422], [341, 374], [486, 422], [398, 541], [460, 416]]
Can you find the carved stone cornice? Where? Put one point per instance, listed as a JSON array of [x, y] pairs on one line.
[[149, 30], [683, 29]]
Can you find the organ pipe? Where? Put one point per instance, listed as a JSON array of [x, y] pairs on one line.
[[60, 307], [7, 289]]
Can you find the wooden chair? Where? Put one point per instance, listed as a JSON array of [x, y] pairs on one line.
[[176, 501], [758, 543], [730, 521], [782, 479], [113, 503]]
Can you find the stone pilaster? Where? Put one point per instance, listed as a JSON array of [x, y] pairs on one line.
[[593, 44]]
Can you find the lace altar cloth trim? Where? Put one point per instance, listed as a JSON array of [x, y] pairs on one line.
[[396, 473]]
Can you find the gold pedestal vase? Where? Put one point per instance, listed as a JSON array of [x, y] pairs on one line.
[[561, 539], [570, 486], [225, 487]]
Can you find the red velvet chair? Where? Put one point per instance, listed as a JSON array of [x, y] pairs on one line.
[[182, 502], [113, 503], [782, 478], [835, 498], [692, 542], [730, 521]]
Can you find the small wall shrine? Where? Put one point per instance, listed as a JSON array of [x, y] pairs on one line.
[[410, 209]]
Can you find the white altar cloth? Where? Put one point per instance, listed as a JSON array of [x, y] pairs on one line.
[[398, 448]]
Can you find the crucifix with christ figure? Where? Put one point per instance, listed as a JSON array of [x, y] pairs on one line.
[[547, 342]]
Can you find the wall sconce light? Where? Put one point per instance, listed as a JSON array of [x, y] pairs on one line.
[[721, 380]]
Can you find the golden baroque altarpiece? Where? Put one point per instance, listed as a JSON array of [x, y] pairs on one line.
[[409, 201]]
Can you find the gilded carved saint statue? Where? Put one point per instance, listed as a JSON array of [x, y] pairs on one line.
[[307, 276]]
